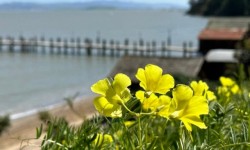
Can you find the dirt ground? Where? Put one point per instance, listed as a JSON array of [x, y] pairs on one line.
[[21, 133]]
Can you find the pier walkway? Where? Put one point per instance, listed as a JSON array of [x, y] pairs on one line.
[[98, 46]]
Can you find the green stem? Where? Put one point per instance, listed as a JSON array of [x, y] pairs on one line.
[[59, 144], [137, 114], [236, 144], [139, 133], [131, 112]]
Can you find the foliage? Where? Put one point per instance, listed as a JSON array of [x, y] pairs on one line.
[[4, 123], [44, 116], [161, 115], [183, 79], [47, 119], [220, 7]]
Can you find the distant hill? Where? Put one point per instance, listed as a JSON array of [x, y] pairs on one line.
[[219, 7], [87, 5]]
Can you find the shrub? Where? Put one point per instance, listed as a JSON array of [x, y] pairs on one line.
[[44, 116], [4, 123]]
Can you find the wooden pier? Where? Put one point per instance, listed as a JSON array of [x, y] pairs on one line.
[[98, 46]]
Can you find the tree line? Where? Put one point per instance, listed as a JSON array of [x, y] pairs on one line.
[[219, 7]]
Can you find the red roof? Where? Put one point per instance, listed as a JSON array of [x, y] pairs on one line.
[[222, 34]]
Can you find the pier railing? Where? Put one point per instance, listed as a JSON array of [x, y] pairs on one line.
[[97, 47]]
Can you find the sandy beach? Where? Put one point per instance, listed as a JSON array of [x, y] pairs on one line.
[[21, 133]]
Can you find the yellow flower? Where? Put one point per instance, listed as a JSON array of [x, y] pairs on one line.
[[235, 89], [186, 107], [129, 123], [201, 89], [152, 102], [226, 81], [102, 139], [112, 94], [104, 107], [228, 87], [152, 80], [224, 91], [210, 95]]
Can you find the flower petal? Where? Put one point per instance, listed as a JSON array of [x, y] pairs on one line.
[[165, 83], [195, 120], [210, 95], [101, 87], [121, 82], [226, 81], [126, 95], [182, 93], [164, 100], [140, 75], [197, 106], [102, 139], [105, 108], [112, 97], [165, 111], [153, 74], [140, 95], [235, 89], [129, 123], [151, 102], [199, 87], [152, 80], [187, 125]]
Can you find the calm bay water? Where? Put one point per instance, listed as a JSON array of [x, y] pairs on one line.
[[35, 80], [28, 81]]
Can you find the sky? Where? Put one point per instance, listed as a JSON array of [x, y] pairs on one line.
[[181, 2]]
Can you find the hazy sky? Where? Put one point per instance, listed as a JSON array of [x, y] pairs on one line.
[[182, 2]]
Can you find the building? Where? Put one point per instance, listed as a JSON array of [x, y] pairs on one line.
[[218, 62], [223, 33]]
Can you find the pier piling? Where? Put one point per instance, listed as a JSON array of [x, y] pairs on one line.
[[126, 44], [184, 49], [88, 46], [1, 43], [100, 47], [104, 42]]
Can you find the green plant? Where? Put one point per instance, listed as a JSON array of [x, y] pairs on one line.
[[4, 123], [159, 116], [44, 116]]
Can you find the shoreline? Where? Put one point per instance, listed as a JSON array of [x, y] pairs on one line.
[[22, 114], [22, 131]]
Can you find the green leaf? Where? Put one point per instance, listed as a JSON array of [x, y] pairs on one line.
[[39, 131]]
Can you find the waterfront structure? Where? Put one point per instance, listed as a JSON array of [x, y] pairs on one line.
[[223, 33]]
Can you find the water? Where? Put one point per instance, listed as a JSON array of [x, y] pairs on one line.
[[109, 24], [29, 81], [35, 80]]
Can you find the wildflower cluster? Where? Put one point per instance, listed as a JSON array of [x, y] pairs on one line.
[[227, 90], [159, 97], [159, 115], [228, 87]]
